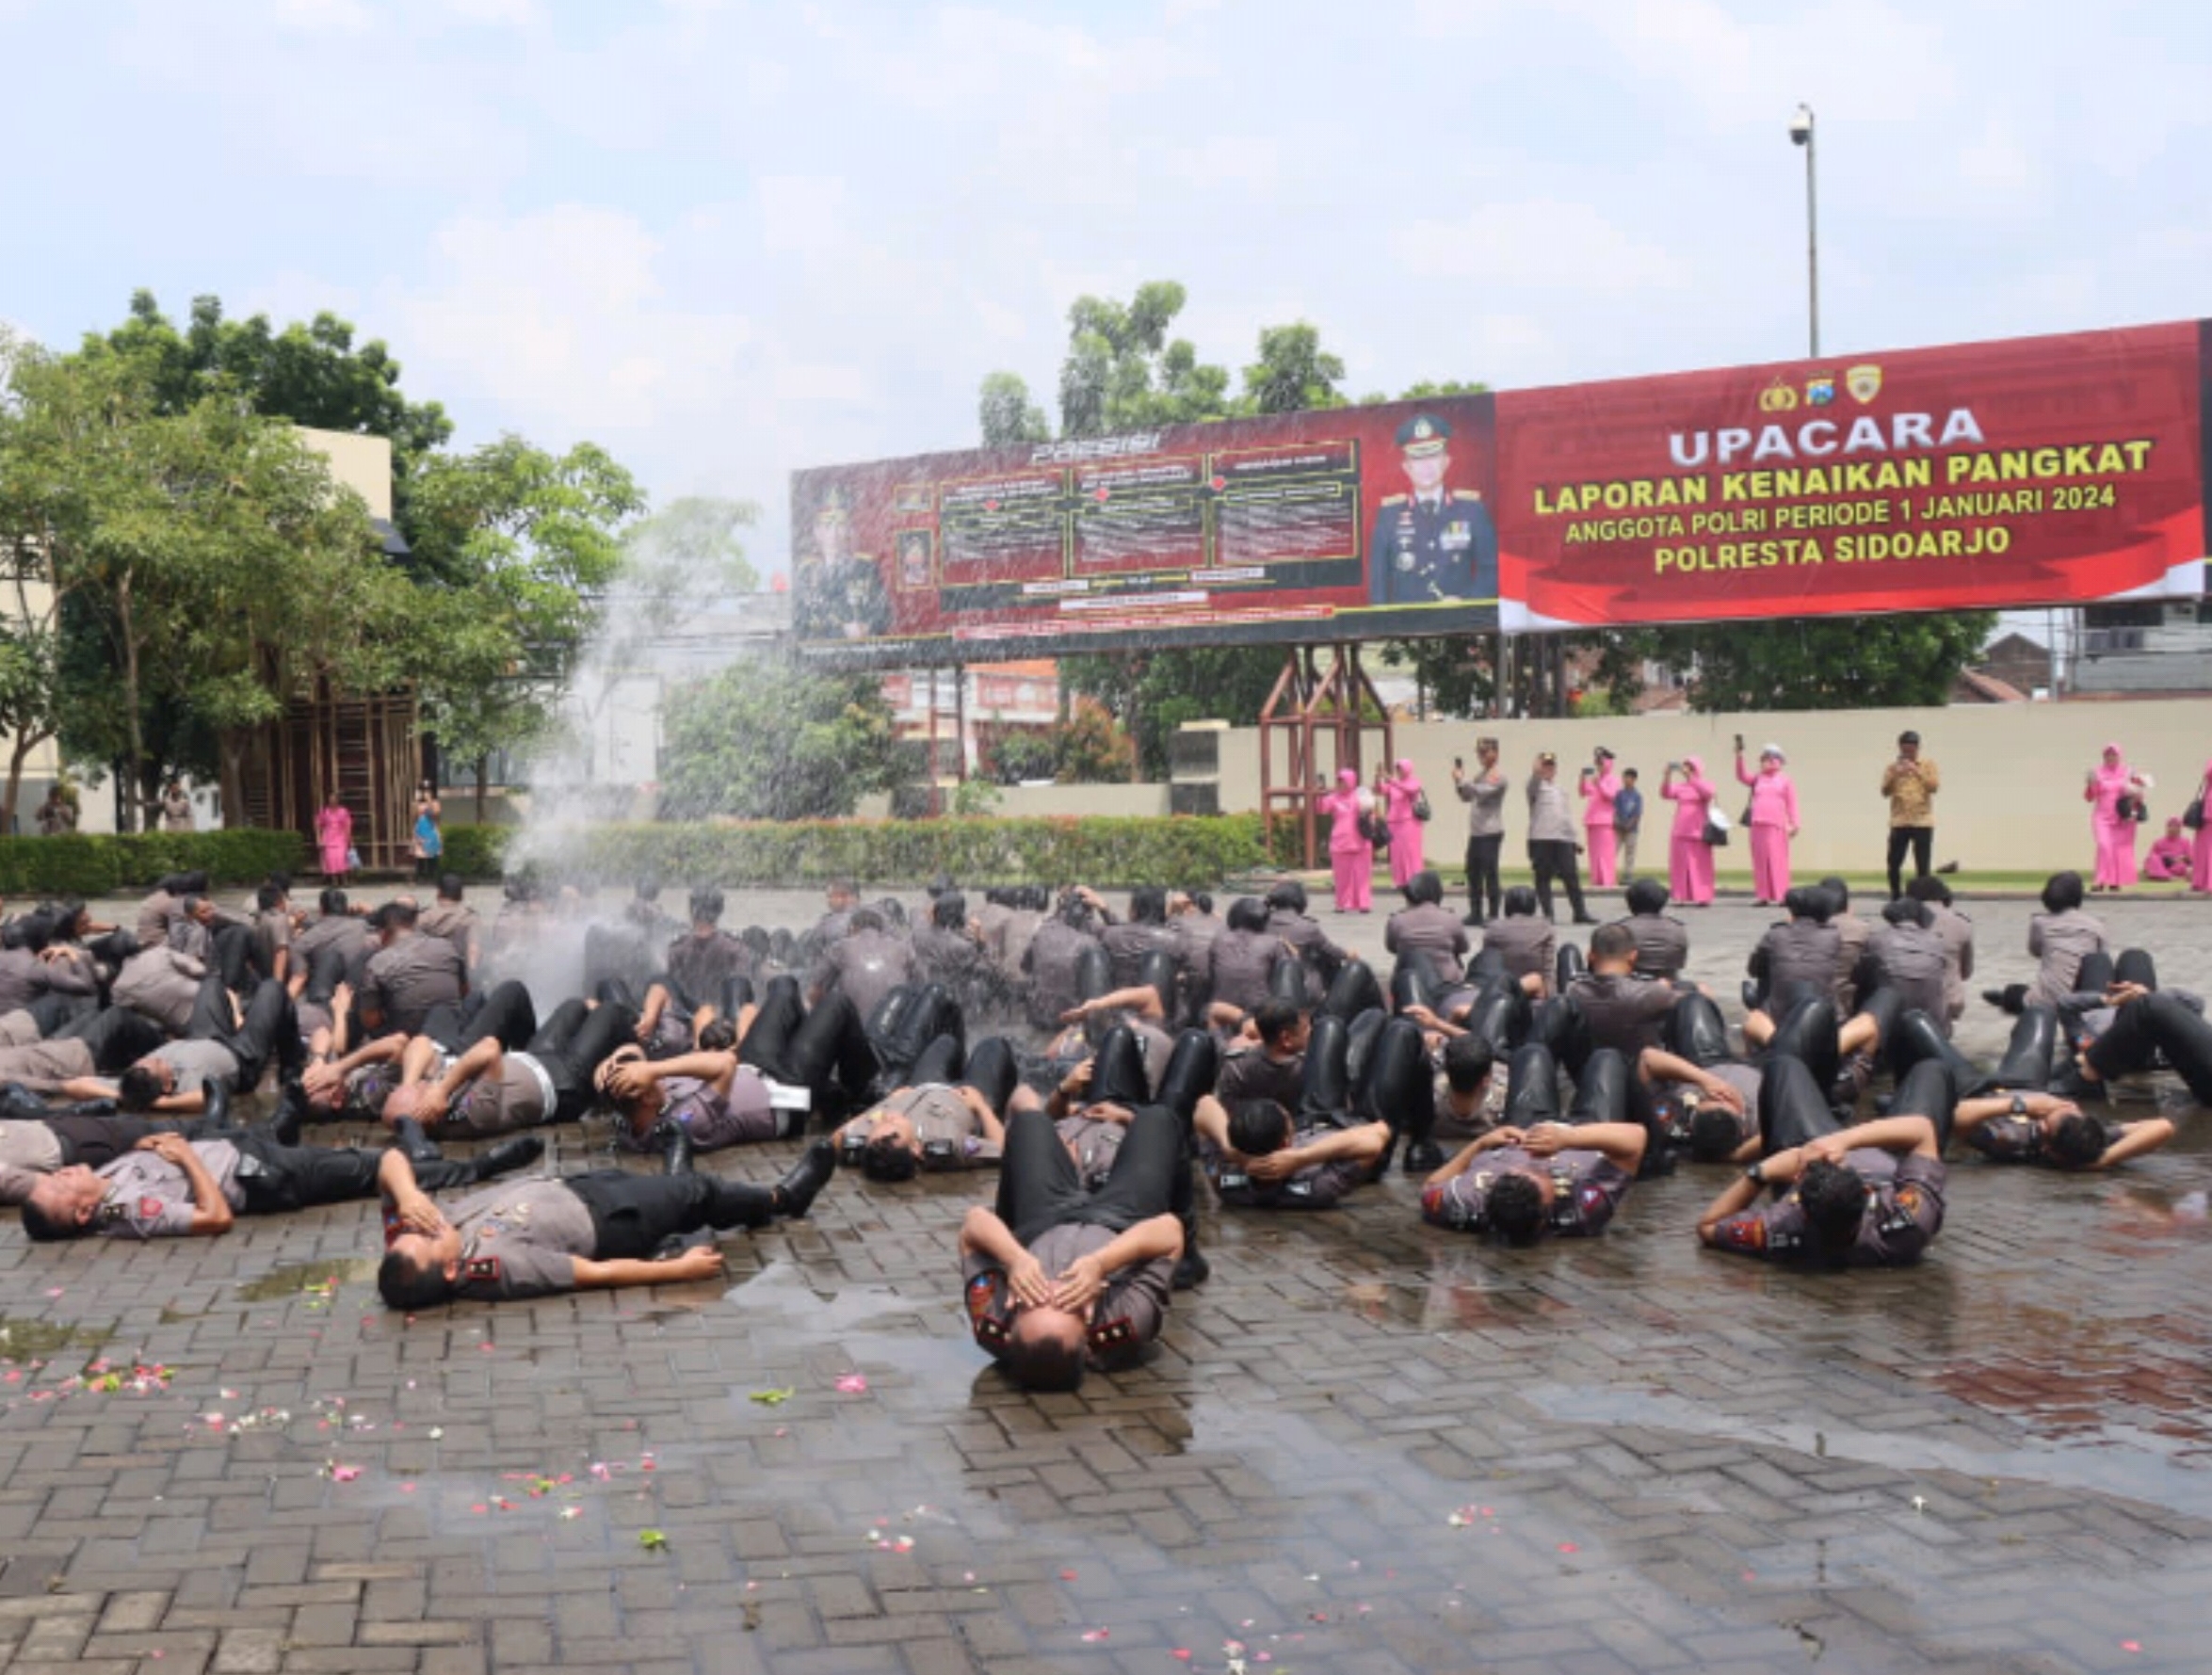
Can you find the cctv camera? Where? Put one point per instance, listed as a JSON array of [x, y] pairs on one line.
[[1800, 126]]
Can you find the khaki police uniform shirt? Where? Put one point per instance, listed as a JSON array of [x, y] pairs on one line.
[[1662, 945], [1052, 958], [1904, 1210], [1956, 932], [2062, 942], [866, 966], [1551, 820], [413, 975], [30, 1145], [701, 965], [1317, 1186], [1127, 946], [1798, 951], [161, 984], [1914, 961], [1624, 1013], [512, 1096], [1127, 1315], [40, 1066], [195, 1062], [150, 1198], [1587, 1188], [1250, 1073], [1432, 932], [1484, 794], [950, 1131], [1095, 1143], [1527, 943], [519, 1239], [1238, 967], [453, 922]]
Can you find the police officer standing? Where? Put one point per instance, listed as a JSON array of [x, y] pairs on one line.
[[1433, 543]]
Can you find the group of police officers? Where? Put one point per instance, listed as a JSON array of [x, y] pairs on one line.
[[1526, 1086]]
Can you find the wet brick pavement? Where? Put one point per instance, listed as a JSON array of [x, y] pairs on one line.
[[1366, 1446]]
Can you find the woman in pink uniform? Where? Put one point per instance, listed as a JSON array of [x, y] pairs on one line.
[[1350, 853], [2201, 850], [1774, 822], [1398, 791], [2107, 782], [1689, 858], [2168, 859], [333, 836], [1600, 786]]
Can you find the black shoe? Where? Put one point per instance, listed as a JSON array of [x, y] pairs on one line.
[[796, 1192], [508, 1155], [215, 1108], [1191, 1268], [2071, 1083], [407, 1134], [1585, 919], [1423, 1157], [676, 1148], [15, 1098], [289, 1120], [1475, 919]]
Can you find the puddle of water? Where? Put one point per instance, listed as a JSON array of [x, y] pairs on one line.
[[2128, 1464], [41, 1340], [293, 1279]]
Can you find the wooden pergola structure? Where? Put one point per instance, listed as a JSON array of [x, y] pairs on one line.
[[1322, 693], [369, 747]]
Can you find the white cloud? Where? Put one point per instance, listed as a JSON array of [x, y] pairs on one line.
[[513, 13], [801, 214], [320, 17], [560, 317], [1547, 242], [1998, 169]]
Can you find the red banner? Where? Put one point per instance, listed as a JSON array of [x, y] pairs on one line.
[[2039, 470], [2030, 472]]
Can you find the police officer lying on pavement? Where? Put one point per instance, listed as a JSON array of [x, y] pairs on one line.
[[1869, 1195], [1536, 1176], [1059, 1278], [2121, 1023], [168, 1187], [944, 1117], [602, 1229], [2053, 1133], [41, 1142]]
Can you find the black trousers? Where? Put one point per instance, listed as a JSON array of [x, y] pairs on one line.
[[574, 1044], [633, 1215], [1794, 1108], [1556, 859], [1920, 840], [98, 1141], [1040, 1189], [278, 1179], [813, 1049], [506, 1015], [118, 1037], [1482, 885], [2153, 1024], [270, 1029]]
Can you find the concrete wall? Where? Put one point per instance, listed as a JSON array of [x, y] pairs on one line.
[[2011, 773], [362, 463]]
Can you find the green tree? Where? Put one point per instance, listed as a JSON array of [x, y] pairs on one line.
[[201, 566], [515, 548], [1122, 373], [770, 739], [1822, 663], [1293, 373], [311, 373], [1009, 418]]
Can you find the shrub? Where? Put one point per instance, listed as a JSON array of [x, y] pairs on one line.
[[476, 851], [87, 865], [1098, 850]]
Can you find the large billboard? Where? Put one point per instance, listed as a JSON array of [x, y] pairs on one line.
[[2031, 471]]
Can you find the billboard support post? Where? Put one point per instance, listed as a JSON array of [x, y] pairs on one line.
[[1309, 701]]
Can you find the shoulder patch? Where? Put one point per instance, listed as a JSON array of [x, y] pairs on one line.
[[481, 1267]]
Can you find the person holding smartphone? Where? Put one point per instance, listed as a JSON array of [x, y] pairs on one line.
[[1911, 783], [429, 840], [1484, 793]]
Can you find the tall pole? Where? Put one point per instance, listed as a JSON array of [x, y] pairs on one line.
[[1801, 133], [1812, 247]]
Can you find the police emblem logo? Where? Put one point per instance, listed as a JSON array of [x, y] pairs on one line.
[[1423, 431], [1819, 391], [1778, 397], [1864, 383]]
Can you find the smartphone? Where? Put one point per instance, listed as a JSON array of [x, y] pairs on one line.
[[1460, 762]]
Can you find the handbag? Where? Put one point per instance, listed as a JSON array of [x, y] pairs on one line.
[[1716, 832], [1421, 809], [1375, 831], [2193, 817], [352, 860]]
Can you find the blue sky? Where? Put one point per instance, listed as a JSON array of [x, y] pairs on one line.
[[727, 239]]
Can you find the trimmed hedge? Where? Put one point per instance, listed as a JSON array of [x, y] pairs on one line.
[[1104, 850], [88, 866]]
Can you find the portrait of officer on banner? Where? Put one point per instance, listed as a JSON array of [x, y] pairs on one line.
[[1435, 542], [837, 593]]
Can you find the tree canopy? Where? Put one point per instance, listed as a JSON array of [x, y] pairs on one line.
[[770, 739]]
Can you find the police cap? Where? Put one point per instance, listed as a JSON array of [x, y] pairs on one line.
[[1424, 433]]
